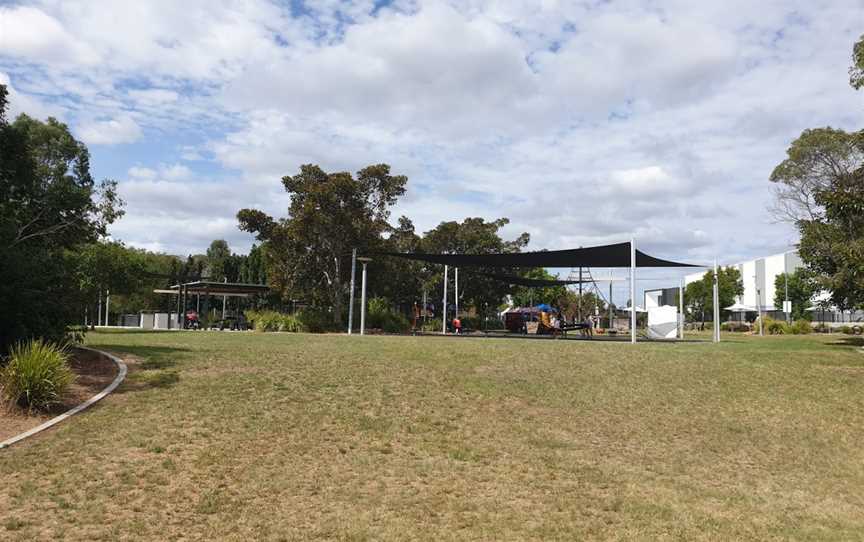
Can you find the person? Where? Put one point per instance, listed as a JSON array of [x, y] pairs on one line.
[[589, 326], [556, 325], [457, 326]]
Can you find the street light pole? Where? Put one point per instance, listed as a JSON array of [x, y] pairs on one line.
[[364, 261], [716, 314]]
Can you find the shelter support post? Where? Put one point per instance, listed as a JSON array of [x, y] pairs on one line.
[[632, 290], [107, 304], [363, 302], [351, 296], [610, 300], [681, 309], [444, 305], [224, 303], [716, 304]]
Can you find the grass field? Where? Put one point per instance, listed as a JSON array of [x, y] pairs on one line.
[[295, 437]]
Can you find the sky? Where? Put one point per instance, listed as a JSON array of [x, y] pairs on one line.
[[583, 122]]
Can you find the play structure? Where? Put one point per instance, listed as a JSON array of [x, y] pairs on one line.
[[661, 324]]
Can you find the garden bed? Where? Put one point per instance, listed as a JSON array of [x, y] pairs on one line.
[[94, 372]]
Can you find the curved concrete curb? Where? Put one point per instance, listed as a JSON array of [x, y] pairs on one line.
[[121, 374]]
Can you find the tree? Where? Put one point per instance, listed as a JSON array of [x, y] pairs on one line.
[[821, 190], [524, 296], [801, 291], [49, 206], [815, 162], [856, 71], [471, 236], [106, 266], [218, 256], [309, 251], [699, 295], [832, 245]]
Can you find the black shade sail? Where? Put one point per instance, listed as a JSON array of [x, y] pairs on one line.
[[617, 255], [531, 283]]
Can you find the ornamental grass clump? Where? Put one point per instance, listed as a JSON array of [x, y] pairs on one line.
[[36, 376]]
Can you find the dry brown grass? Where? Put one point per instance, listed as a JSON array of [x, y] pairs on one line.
[[284, 437]]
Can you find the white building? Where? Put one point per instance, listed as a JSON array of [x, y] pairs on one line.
[[759, 276]]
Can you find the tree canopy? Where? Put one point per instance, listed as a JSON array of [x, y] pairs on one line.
[[309, 251], [800, 289], [820, 188], [49, 207], [699, 295]]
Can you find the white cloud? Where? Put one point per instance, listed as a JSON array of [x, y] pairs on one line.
[[31, 33], [582, 122], [118, 130]]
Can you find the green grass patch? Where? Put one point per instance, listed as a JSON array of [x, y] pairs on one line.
[[299, 436]]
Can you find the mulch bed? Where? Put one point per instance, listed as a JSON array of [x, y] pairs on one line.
[[94, 372]]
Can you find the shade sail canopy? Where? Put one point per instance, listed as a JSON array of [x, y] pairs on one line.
[[617, 255], [530, 283]]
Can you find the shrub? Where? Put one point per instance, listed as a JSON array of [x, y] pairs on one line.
[[802, 327], [37, 374], [379, 315], [846, 329], [774, 327], [314, 320]]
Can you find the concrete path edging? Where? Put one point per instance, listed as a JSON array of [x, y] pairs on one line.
[[121, 374]]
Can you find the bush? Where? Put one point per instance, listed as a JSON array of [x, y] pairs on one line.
[[774, 327], [37, 374], [311, 320], [735, 327], [314, 320], [802, 327], [846, 329], [379, 315]]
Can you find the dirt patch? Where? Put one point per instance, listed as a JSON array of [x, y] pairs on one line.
[[94, 372]]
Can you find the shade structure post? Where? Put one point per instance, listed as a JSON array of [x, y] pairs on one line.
[[363, 302], [681, 309], [716, 304], [351, 295], [224, 302], [444, 305], [456, 293], [632, 291], [610, 299], [107, 304]]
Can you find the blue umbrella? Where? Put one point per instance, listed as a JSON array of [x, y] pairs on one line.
[[544, 307]]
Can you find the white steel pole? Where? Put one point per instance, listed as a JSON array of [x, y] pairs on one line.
[[107, 304], [681, 310], [363, 302], [456, 279], [716, 293], [610, 299], [632, 290], [224, 301], [444, 306], [351, 297]]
